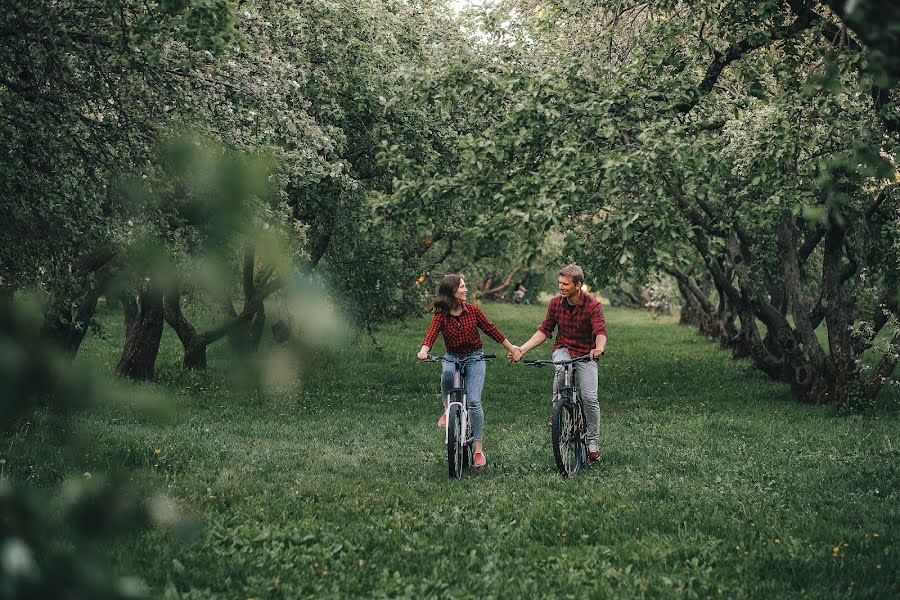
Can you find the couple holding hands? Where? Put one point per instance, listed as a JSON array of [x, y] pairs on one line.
[[581, 330]]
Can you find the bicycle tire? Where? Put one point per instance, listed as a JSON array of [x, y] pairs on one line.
[[582, 431], [567, 440], [455, 459], [468, 452]]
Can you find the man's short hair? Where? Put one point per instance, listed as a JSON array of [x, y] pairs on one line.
[[574, 272]]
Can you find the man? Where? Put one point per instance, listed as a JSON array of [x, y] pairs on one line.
[[582, 330]]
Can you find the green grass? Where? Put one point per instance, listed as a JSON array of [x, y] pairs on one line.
[[714, 481]]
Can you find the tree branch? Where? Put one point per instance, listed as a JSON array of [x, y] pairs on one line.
[[736, 52], [879, 200], [691, 285], [250, 309], [809, 244], [884, 369]]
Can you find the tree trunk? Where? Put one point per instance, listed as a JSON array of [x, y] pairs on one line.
[[61, 326], [629, 295], [68, 330], [740, 342], [488, 291], [255, 331], [690, 313], [836, 316], [143, 331], [697, 309], [245, 336], [732, 337], [692, 310], [771, 365], [194, 343], [244, 329]]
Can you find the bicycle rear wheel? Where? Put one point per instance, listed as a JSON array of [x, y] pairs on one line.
[[455, 441], [567, 443]]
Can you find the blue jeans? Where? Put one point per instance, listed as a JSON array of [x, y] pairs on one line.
[[474, 373]]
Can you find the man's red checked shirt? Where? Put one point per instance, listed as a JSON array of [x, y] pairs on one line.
[[579, 326], [461, 333]]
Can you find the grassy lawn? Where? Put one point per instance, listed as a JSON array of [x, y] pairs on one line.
[[713, 482]]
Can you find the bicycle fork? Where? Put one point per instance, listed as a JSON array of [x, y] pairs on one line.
[[572, 398], [463, 416], [463, 413], [564, 386]]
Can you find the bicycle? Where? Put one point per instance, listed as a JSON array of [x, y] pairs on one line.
[[458, 434], [568, 423]]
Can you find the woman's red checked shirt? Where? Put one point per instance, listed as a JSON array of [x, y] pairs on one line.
[[461, 333]]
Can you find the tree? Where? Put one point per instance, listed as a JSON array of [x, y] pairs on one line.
[[757, 153], [84, 90]]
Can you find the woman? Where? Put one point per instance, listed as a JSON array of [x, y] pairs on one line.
[[459, 321]]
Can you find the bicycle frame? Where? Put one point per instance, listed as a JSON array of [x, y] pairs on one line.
[[568, 382]]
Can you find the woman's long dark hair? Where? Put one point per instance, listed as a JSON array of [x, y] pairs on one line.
[[445, 301]]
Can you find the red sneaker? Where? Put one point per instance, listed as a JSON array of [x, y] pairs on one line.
[[442, 422], [593, 451], [480, 460]]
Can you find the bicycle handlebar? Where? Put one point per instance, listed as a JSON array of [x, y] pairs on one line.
[[545, 363], [432, 358]]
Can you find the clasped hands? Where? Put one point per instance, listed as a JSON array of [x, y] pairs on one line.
[[515, 355]]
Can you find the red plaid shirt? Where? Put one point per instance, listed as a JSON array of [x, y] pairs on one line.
[[579, 326], [461, 333]]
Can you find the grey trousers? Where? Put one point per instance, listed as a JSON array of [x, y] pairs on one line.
[[587, 387]]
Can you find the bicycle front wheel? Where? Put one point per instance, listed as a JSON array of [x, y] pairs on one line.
[[455, 443], [567, 444]]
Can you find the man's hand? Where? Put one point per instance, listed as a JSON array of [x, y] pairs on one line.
[[422, 354], [596, 353], [515, 355]]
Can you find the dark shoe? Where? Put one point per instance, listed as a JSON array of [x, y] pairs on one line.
[[593, 450]]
